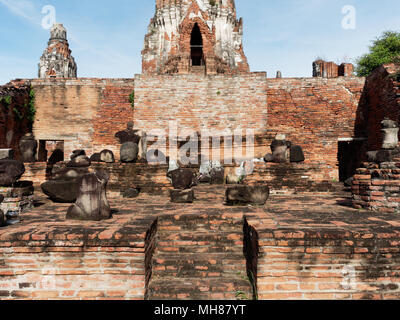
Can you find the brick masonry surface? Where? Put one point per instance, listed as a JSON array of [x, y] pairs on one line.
[[84, 113], [313, 112], [377, 187], [312, 246], [13, 115], [380, 99], [152, 179]]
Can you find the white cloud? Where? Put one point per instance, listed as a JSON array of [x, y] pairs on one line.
[[23, 8]]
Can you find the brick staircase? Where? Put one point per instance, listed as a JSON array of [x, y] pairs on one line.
[[199, 257], [198, 69]]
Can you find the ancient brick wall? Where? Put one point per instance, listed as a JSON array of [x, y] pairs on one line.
[[62, 273], [84, 113], [148, 178], [328, 266], [14, 99], [292, 177], [314, 113], [376, 187], [198, 102], [380, 99]]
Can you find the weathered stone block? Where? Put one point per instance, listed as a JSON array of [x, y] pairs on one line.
[[10, 172], [61, 190], [182, 179], [182, 196], [92, 203], [6, 154], [243, 194], [129, 152]]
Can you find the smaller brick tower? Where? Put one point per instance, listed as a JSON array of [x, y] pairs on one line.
[[56, 60]]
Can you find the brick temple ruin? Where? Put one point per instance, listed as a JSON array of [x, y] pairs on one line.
[[313, 239]]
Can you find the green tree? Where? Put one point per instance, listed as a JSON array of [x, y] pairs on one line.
[[384, 49]]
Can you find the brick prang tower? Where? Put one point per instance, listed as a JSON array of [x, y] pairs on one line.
[[194, 36], [57, 60]]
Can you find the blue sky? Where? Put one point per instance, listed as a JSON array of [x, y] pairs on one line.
[[106, 37]]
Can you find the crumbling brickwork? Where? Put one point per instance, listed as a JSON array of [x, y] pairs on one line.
[[314, 113], [188, 36], [14, 108], [57, 61], [324, 69], [377, 187], [84, 113], [380, 99]]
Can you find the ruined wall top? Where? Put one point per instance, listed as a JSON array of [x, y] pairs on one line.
[[194, 36]]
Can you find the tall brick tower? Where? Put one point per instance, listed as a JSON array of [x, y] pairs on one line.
[[194, 36], [57, 60]]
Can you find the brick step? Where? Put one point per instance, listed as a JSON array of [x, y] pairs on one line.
[[198, 289], [202, 250], [210, 249], [204, 219], [182, 271], [199, 229], [213, 260], [196, 235]]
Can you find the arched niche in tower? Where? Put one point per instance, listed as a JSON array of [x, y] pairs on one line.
[[196, 46]]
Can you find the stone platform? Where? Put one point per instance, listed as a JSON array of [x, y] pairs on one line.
[[311, 246]]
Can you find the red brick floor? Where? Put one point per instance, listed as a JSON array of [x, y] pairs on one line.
[[284, 224], [131, 218]]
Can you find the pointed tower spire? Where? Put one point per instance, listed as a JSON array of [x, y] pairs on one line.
[[57, 60]]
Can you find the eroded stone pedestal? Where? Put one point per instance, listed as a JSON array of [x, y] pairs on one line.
[[17, 199]]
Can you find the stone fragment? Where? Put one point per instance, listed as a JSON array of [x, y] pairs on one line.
[[280, 137], [280, 149], [129, 152], [77, 153], [28, 148], [62, 191], [269, 157], [234, 175], [56, 156], [182, 196], [131, 193], [204, 172], [6, 154], [243, 195], [182, 179], [92, 203], [128, 135], [296, 154], [107, 156], [95, 157], [217, 175], [10, 172], [79, 161], [390, 130], [387, 124], [70, 173]]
